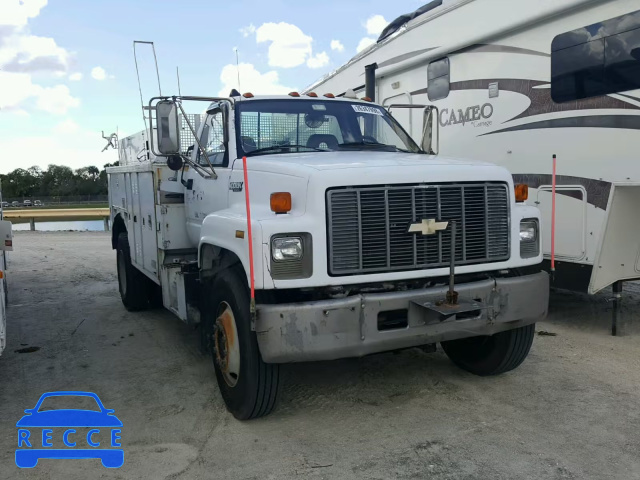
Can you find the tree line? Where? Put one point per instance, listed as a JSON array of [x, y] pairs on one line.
[[55, 181]]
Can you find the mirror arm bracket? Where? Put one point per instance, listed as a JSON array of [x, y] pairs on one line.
[[195, 135], [189, 183], [198, 168]]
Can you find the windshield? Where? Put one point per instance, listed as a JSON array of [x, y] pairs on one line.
[[288, 126]]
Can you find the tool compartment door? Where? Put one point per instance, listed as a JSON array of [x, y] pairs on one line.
[[143, 242]]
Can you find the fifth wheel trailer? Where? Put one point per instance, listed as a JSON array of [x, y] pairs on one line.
[[511, 81]]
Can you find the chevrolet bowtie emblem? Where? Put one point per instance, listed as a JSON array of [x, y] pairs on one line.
[[428, 227]]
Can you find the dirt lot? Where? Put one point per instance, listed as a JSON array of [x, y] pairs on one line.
[[570, 411]]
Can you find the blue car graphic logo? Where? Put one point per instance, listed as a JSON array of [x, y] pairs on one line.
[[39, 429]]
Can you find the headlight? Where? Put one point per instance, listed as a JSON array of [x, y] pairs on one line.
[[287, 248], [529, 238], [528, 231]]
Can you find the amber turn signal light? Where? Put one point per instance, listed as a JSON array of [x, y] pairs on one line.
[[281, 202], [522, 192]]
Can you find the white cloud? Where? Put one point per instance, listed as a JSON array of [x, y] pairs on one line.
[[337, 45], [98, 73], [318, 61], [366, 42], [289, 47], [75, 77], [22, 54], [251, 80], [18, 88], [56, 100], [248, 30], [66, 127], [375, 24], [17, 12]]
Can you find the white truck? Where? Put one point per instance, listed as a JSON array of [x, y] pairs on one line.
[[300, 228]]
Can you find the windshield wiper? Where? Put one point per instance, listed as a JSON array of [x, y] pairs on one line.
[[280, 148], [373, 145], [365, 144]]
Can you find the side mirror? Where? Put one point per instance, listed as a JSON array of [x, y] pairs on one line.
[[167, 127], [6, 240], [430, 120]]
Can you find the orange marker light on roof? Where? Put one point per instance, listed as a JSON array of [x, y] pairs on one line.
[[312, 94], [329, 95], [366, 99], [281, 202], [248, 95], [294, 94], [522, 192]]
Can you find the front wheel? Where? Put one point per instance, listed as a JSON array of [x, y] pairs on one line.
[[249, 387], [491, 355]]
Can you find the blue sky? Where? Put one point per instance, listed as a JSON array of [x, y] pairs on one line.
[[67, 71]]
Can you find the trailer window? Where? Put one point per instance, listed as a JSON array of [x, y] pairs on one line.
[[213, 141], [596, 60], [438, 79]]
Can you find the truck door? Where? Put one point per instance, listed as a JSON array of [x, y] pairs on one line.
[[208, 195]]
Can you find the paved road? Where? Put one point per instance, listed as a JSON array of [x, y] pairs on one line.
[[571, 411]]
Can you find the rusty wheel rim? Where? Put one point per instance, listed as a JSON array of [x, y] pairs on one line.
[[226, 342]]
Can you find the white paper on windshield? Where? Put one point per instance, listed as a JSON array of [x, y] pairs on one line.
[[367, 109]]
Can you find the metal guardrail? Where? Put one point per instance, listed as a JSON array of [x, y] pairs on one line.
[[68, 200]]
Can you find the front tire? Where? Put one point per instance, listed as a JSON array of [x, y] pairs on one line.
[[491, 355], [249, 387]]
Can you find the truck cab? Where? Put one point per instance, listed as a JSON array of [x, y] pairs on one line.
[[300, 228]]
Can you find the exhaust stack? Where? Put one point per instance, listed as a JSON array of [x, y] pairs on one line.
[[370, 81]]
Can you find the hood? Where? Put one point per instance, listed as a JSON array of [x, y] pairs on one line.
[[291, 162]]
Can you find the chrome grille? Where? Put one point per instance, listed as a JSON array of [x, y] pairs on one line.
[[368, 226]]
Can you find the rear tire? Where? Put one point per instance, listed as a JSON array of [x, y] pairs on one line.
[[135, 288], [491, 355], [249, 387]]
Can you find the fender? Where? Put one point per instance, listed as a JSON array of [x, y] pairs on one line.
[[222, 231]]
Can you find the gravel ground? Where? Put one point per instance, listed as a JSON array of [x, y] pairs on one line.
[[570, 411]]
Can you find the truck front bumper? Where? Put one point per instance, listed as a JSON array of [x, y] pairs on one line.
[[348, 327]]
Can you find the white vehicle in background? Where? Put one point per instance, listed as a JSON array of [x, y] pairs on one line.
[[512, 84], [297, 228], [6, 244]]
